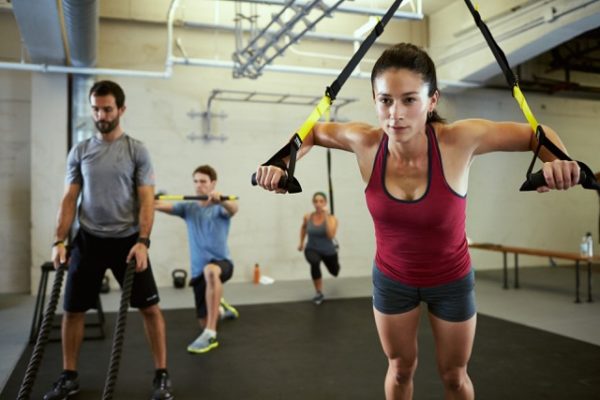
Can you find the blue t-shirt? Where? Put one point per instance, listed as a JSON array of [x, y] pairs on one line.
[[208, 228]]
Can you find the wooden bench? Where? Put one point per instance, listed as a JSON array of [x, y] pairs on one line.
[[576, 257]]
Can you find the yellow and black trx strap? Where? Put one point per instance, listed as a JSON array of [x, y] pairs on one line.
[[534, 180], [291, 148]]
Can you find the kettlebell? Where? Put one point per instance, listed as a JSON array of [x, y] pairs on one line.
[[179, 278]]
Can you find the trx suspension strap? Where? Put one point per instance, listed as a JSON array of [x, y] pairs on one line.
[[534, 180], [329, 182], [290, 183]]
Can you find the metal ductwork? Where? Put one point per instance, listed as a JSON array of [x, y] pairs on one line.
[[81, 25], [40, 28]]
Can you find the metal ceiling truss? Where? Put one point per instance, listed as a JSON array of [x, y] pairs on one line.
[[240, 96], [266, 45], [581, 54]]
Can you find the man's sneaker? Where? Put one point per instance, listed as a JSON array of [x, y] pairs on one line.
[[202, 344], [162, 387], [229, 311], [63, 388], [318, 299]]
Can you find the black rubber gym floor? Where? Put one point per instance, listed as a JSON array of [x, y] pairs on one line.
[[301, 351]]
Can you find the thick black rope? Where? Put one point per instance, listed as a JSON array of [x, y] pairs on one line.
[[119, 335], [40, 344]]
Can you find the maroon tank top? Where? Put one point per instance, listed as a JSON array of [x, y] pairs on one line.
[[423, 242]]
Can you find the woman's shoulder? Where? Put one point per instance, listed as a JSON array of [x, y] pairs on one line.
[[460, 130]]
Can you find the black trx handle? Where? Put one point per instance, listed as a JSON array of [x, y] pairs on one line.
[[290, 183], [533, 180], [536, 179]]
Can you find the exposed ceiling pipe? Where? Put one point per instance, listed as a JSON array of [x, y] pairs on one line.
[[323, 36], [417, 15], [81, 26], [41, 30], [171, 60], [167, 73], [200, 62]]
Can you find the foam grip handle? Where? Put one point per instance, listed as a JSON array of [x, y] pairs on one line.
[[282, 182], [537, 180]]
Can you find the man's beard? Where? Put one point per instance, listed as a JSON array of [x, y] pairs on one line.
[[105, 127]]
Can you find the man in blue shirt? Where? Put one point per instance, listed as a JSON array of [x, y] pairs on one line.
[[208, 224]]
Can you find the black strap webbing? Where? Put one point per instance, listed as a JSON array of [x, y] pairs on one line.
[[329, 183], [291, 148], [534, 180], [334, 88]]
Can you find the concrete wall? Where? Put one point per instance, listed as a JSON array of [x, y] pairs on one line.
[[15, 217], [49, 133]]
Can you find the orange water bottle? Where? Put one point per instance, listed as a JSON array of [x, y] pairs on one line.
[[256, 278]]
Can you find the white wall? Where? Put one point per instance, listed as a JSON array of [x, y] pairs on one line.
[[49, 110], [266, 230]]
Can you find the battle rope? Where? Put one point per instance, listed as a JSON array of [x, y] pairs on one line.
[[119, 335], [534, 180], [42, 339], [290, 149]]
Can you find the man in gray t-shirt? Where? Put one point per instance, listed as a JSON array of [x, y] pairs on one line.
[[110, 187]]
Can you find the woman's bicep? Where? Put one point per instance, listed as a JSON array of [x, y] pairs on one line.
[[343, 136], [489, 136]]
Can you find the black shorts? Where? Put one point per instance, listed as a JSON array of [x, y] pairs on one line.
[[199, 285], [90, 257], [453, 302]]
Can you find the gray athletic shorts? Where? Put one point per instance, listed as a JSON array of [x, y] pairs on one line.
[[453, 302]]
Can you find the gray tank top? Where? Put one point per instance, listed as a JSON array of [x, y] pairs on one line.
[[318, 240]]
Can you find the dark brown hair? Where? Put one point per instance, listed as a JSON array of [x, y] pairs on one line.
[[206, 170], [408, 56], [319, 194], [105, 88]]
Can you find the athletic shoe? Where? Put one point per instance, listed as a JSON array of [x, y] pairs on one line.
[[162, 387], [202, 344], [63, 388], [229, 311], [318, 299]]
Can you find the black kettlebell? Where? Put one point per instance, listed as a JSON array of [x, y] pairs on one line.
[[179, 278]]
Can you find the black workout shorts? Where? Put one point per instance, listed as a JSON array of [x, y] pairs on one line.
[[90, 257], [454, 301], [199, 285]]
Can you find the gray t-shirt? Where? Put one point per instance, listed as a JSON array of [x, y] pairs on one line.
[[109, 173]]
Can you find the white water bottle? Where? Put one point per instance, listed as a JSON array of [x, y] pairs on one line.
[[590, 242], [585, 247]]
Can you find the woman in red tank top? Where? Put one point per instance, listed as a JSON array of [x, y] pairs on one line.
[[416, 169]]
